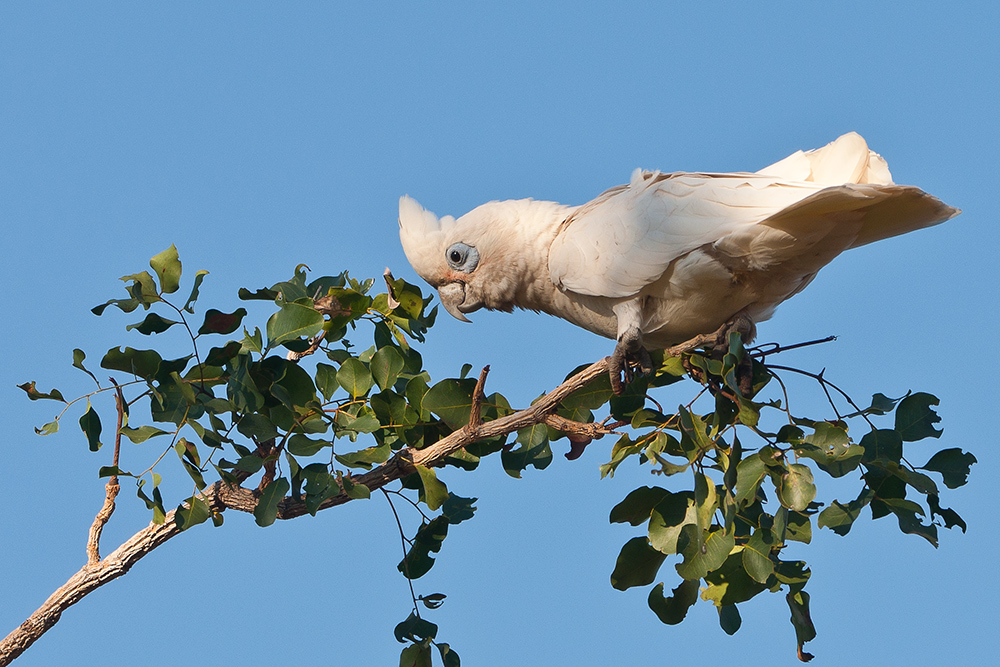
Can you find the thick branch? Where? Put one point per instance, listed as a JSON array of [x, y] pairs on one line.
[[221, 496]]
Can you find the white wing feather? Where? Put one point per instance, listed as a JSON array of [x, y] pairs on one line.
[[625, 239], [620, 243]]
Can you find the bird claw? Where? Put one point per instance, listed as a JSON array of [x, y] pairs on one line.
[[628, 352]]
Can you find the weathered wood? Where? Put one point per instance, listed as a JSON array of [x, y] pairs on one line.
[[221, 496]]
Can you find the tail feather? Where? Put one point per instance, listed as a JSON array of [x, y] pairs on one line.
[[844, 160]]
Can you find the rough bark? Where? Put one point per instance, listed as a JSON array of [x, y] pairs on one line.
[[221, 496]]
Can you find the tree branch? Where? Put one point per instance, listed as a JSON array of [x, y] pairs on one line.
[[221, 496]]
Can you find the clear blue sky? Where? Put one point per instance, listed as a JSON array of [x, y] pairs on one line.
[[257, 137]]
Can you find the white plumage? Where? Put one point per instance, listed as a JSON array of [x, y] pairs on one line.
[[668, 256]]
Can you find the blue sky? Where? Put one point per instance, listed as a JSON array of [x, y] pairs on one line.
[[258, 137]]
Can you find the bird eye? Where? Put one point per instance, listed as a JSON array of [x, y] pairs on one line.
[[462, 257]]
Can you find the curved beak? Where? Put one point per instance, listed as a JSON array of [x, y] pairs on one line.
[[453, 299]]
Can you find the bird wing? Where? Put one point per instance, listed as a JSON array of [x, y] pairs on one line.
[[804, 209], [624, 240]]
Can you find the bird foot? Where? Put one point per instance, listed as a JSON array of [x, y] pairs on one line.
[[628, 352]]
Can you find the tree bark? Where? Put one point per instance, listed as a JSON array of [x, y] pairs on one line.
[[221, 496]]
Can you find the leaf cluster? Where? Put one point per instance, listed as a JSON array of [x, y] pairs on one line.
[[729, 530], [301, 409]]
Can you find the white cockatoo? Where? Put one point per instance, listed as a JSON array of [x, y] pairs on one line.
[[668, 261]]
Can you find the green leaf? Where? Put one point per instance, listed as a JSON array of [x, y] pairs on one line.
[[49, 428], [435, 492], [730, 584], [729, 619], [155, 503], [252, 342], [355, 490], [750, 472], [839, 517], [220, 356], [78, 357], [533, 450], [914, 418], [621, 450], [881, 405], [364, 458], [668, 517], [797, 489], [263, 294], [300, 445], [458, 509], [326, 380], [831, 448], [191, 512], [294, 320], [672, 610], [637, 505], [35, 395], [142, 289], [798, 526], [257, 426], [637, 564], [152, 324], [794, 573], [830, 438], [432, 601], [241, 388], [416, 655], [757, 555], [90, 422], [451, 400], [705, 501], [950, 517], [448, 656], [168, 269], [906, 512], [142, 433], [266, 510], [591, 396], [415, 628], [882, 445], [199, 276], [802, 621], [124, 305], [386, 365], [953, 464], [354, 377], [144, 363], [217, 322], [699, 561], [427, 540]]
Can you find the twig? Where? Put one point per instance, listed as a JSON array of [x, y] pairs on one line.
[[111, 489], [761, 351], [476, 413], [590, 430], [221, 496], [826, 383], [402, 539]]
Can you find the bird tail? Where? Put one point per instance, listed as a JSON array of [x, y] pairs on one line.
[[877, 211], [847, 159]]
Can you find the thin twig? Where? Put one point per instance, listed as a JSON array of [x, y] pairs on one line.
[[221, 496], [764, 349], [402, 539], [824, 382], [111, 489], [476, 413]]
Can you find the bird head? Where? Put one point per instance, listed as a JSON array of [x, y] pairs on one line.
[[470, 261]]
